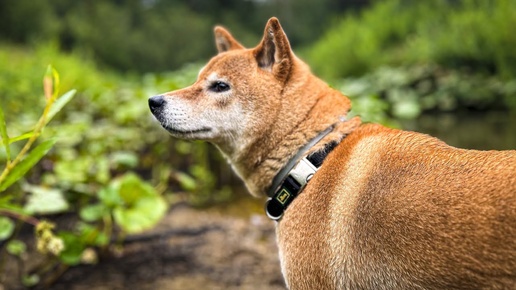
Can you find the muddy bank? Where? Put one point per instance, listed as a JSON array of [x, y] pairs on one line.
[[190, 249]]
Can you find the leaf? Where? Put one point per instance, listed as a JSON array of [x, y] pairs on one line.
[[186, 181], [110, 197], [30, 280], [4, 135], [59, 104], [131, 188], [27, 163], [16, 247], [6, 228], [143, 207], [74, 246], [45, 200], [51, 83], [56, 107], [21, 137], [92, 213], [124, 158], [144, 214], [92, 236]]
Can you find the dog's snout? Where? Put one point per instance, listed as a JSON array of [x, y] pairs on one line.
[[156, 102]]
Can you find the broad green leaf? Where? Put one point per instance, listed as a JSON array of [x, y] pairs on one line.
[[45, 200], [4, 135], [21, 137], [16, 247], [144, 214], [6, 228], [110, 197], [131, 188], [26, 164], [59, 104], [92, 236], [143, 207], [92, 213], [74, 246]]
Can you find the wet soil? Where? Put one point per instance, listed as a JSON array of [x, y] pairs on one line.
[[189, 249]]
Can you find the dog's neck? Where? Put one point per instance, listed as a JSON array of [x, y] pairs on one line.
[[258, 161]]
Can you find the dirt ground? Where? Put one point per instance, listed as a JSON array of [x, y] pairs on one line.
[[189, 249]]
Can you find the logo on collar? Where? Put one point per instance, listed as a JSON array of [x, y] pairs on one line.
[[296, 180]]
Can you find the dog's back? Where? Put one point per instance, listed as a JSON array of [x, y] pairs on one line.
[[402, 210]]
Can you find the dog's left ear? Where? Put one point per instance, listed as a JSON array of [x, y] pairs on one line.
[[274, 53], [224, 40]]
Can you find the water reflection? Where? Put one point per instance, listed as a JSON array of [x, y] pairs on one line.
[[472, 130]]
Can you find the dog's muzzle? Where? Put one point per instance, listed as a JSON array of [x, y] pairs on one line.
[[156, 104]]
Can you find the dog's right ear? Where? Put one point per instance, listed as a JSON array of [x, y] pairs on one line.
[[224, 40], [274, 53]]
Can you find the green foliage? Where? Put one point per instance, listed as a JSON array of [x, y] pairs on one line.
[[81, 175], [27, 163], [453, 34], [406, 92], [105, 133], [131, 35], [6, 228], [134, 204], [16, 247]]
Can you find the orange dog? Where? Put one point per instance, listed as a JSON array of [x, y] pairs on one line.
[[357, 206]]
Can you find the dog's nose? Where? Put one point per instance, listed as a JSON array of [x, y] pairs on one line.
[[156, 102]]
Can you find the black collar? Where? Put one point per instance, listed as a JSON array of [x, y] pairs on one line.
[[291, 179]]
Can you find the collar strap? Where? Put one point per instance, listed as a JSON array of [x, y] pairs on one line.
[[284, 172], [292, 178]]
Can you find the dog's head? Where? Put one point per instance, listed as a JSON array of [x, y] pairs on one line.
[[243, 96], [236, 90]]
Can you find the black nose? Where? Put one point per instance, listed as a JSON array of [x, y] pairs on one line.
[[156, 102]]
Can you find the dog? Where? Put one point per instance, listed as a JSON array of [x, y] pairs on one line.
[[357, 206]]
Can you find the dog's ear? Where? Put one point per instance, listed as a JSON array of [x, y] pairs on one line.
[[274, 53], [224, 40]]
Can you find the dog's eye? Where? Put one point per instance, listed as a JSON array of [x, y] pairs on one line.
[[219, 87]]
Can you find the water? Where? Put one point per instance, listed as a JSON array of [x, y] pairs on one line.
[[471, 130]]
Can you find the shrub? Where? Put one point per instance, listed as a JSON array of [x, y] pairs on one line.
[[454, 34]]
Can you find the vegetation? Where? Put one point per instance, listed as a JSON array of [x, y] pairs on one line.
[[418, 56], [468, 34], [157, 35], [93, 172]]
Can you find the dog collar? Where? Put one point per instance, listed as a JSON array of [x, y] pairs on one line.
[[291, 179]]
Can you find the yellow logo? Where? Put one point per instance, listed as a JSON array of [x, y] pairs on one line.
[[283, 196]]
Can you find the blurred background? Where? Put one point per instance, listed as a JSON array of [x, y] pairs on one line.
[[442, 67]]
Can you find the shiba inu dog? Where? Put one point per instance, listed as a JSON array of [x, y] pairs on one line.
[[358, 206]]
